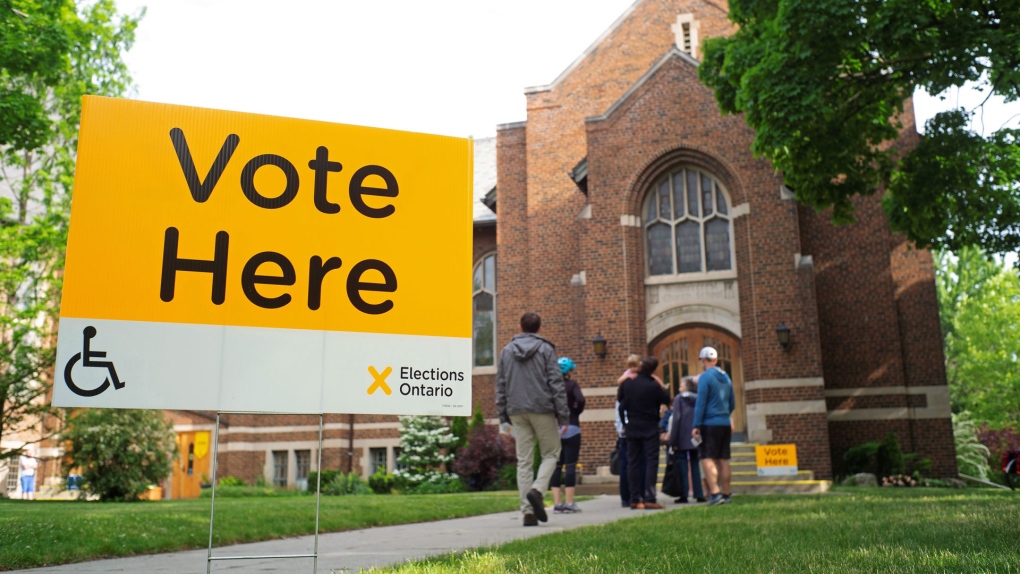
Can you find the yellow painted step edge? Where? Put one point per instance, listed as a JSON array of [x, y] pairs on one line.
[[745, 473], [780, 482]]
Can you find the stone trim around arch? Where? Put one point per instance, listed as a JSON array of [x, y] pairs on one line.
[[677, 317], [683, 155]]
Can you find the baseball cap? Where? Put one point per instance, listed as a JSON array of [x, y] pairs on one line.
[[708, 353]]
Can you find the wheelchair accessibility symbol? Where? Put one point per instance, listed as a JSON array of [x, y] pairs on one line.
[[87, 358]]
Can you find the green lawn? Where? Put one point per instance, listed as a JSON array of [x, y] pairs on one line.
[[873, 530], [43, 532]]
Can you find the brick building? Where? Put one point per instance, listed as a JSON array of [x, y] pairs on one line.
[[626, 206], [629, 207]]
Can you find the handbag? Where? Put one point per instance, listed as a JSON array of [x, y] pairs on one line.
[[614, 460], [672, 485]]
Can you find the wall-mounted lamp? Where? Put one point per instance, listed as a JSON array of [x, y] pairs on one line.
[[599, 345], [783, 334]]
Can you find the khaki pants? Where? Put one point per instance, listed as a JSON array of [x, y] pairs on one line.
[[526, 428]]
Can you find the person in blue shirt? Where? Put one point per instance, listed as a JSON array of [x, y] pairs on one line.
[[713, 426]]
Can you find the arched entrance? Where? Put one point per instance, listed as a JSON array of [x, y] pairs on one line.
[[677, 352]]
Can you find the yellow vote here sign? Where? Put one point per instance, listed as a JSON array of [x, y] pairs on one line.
[[230, 261], [776, 459]]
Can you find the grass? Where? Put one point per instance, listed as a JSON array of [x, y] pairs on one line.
[[858, 530], [44, 533]]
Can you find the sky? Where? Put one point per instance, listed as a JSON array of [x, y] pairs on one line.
[[450, 67]]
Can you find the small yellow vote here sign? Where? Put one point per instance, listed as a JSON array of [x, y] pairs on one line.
[[229, 261], [776, 459]]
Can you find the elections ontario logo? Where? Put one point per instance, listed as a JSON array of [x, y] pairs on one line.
[[88, 360], [415, 382]]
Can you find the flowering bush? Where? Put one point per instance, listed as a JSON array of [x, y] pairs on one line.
[[425, 444], [479, 462]]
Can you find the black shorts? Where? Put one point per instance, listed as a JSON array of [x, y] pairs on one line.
[[715, 442]]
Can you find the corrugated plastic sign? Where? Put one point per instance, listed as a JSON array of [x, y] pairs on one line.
[[238, 262]]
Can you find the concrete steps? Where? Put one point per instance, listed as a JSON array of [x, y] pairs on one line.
[[744, 480]]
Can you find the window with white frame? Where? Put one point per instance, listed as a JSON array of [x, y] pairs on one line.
[[303, 459], [12, 474], [377, 460], [688, 228], [280, 461], [484, 307]]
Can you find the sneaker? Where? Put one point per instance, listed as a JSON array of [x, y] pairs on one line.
[[725, 499], [715, 499], [700, 499], [560, 508], [538, 505], [681, 500], [571, 508], [637, 506], [654, 506], [530, 520]]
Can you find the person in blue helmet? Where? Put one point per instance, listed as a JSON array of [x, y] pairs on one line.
[[570, 439]]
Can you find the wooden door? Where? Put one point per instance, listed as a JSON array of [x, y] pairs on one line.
[[678, 357], [191, 465]]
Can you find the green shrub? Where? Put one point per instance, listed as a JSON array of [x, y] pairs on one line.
[[231, 481], [971, 455], [327, 477], [889, 457], [507, 477], [861, 458], [439, 485], [477, 419], [248, 492], [884, 459], [459, 430], [344, 485], [119, 452], [261, 482], [381, 482]]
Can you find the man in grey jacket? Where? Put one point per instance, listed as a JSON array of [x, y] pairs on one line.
[[530, 396]]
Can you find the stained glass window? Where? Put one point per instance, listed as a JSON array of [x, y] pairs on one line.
[[484, 307], [660, 254], [688, 227]]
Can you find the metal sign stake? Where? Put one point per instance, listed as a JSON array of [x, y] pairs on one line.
[[212, 511]]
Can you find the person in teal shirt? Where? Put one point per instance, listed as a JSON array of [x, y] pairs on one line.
[[713, 427]]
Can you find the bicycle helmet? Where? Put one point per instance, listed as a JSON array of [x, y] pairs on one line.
[[566, 365]]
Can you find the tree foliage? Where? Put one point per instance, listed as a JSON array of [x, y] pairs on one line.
[[979, 305], [823, 84], [118, 452], [52, 52]]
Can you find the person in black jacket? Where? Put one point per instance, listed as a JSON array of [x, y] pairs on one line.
[[684, 450], [640, 399], [570, 439]]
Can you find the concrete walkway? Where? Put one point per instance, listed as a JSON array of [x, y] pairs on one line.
[[370, 548]]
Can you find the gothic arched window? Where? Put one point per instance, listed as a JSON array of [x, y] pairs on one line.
[[687, 224], [483, 287]]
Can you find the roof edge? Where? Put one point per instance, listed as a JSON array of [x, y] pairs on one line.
[[673, 52], [511, 126], [563, 75]]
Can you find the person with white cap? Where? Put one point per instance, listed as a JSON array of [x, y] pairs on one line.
[[713, 427]]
